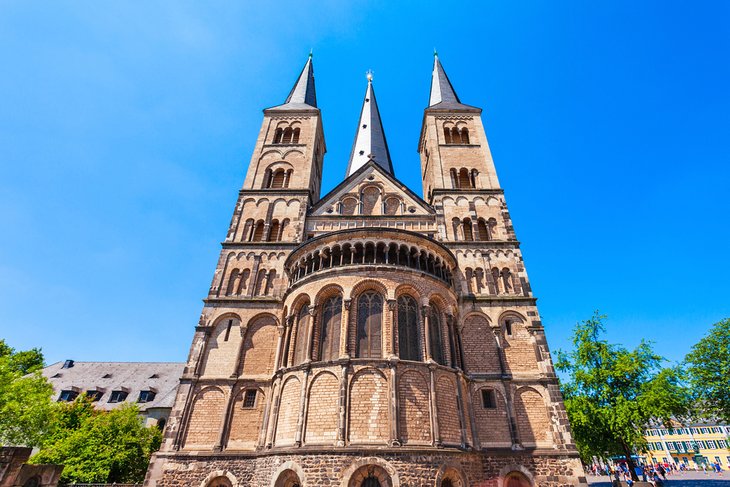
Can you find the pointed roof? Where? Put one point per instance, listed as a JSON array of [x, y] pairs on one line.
[[302, 95], [370, 143], [443, 95]]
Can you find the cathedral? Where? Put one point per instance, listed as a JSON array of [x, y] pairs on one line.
[[369, 337]]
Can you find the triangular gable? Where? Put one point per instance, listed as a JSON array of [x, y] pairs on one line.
[[391, 185]]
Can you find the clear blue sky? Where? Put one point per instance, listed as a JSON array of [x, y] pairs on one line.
[[126, 129]]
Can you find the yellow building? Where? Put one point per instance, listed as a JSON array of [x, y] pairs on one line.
[[692, 445]]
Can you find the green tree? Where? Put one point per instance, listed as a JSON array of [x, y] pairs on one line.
[[613, 393], [708, 367], [100, 446], [25, 397]]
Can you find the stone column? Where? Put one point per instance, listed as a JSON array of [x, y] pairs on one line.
[[276, 404], [342, 407], [239, 353], [393, 406], [513, 432], [310, 332], [391, 326], [253, 278], [427, 331], [226, 424], [460, 399], [289, 350], [303, 402], [345, 329], [434, 408], [476, 443], [279, 346], [500, 350]]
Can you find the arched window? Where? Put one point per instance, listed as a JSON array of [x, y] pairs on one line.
[[473, 178], [349, 206], [233, 282], [454, 178], [464, 135], [464, 179], [392, 205], [507, 280], [468, 235], [270, 278], [300, 347], [273, 231], [243, 281], [496, 279], [288, 132], [278, 135], [447, 135], [409, 342], [260, 288], [258, 232], [277, 179], [447, 483], [455, 138], [434, 331], [295, 136], [369, 325], [331, 321], [456, 223], [483, 230]]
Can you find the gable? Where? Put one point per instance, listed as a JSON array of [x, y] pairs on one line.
[[375, 192]]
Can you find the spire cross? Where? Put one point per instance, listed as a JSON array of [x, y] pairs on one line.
[[369, 75]]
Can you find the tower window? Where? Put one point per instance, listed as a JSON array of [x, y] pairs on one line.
[[249, 399], [489, 401]]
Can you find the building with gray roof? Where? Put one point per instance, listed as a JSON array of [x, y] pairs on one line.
[[151, 385]]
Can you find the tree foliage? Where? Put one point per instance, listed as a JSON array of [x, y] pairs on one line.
[[613, 393], [99, 446], [25, 397], [708, 367]]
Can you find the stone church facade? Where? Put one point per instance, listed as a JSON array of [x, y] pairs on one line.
[[369, 338]]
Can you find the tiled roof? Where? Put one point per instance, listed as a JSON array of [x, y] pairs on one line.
[[133, 377]]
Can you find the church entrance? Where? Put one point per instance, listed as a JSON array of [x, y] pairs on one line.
[[371, 482]]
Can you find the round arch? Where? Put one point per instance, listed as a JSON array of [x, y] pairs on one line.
[[220, 478], [289, 474], [450, 473], [359, 470]]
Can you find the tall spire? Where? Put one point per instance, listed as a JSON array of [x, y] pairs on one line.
[[370, 140], [302, 95], [442, 93]]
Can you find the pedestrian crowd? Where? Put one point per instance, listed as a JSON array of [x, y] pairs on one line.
[[655, 474]]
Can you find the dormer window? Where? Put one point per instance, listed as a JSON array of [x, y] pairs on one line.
[[94, 395], [146, 396], [118, 396], [68, 396]]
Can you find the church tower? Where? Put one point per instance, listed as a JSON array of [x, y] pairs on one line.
[[370, 337]]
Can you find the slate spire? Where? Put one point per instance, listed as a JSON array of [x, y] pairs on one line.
[[302, 95], [442, 93], [370, 140]]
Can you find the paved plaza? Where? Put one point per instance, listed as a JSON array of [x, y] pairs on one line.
[[683, 479]]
